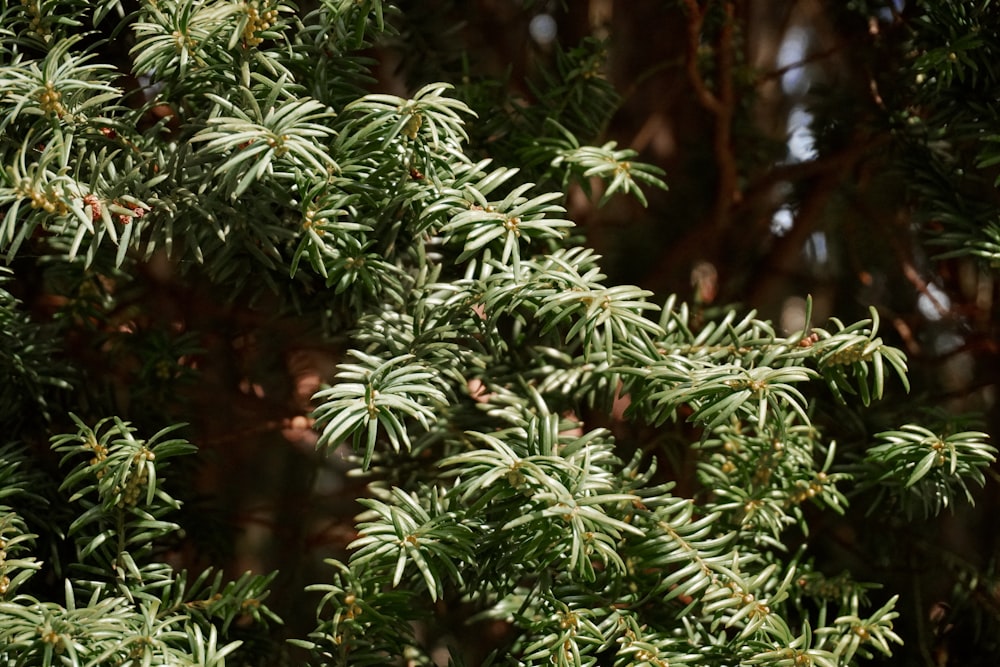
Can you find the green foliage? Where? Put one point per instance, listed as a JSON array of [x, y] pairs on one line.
[[18, 543], [28, 363], [122, 604], [382, 393], [605, 163], [927, 469], [477, 336], [953, 144]]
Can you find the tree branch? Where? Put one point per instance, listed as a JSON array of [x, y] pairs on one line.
[[721, 105]]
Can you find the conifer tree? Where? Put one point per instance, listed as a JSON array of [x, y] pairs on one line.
[[188, 185]]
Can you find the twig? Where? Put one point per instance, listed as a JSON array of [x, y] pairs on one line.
[[695, 21], [809, 213], [728, 188], [904, 256], [721, 105], [781, 71]]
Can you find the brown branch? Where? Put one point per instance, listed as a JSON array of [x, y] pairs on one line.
[[763, 77], [786, 248], [809, 214], [647, 74], [799, 171], [721, 105], [905, 333], [695, 21], [824, 171], [840, 162], [728, 186], [904, 256]]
